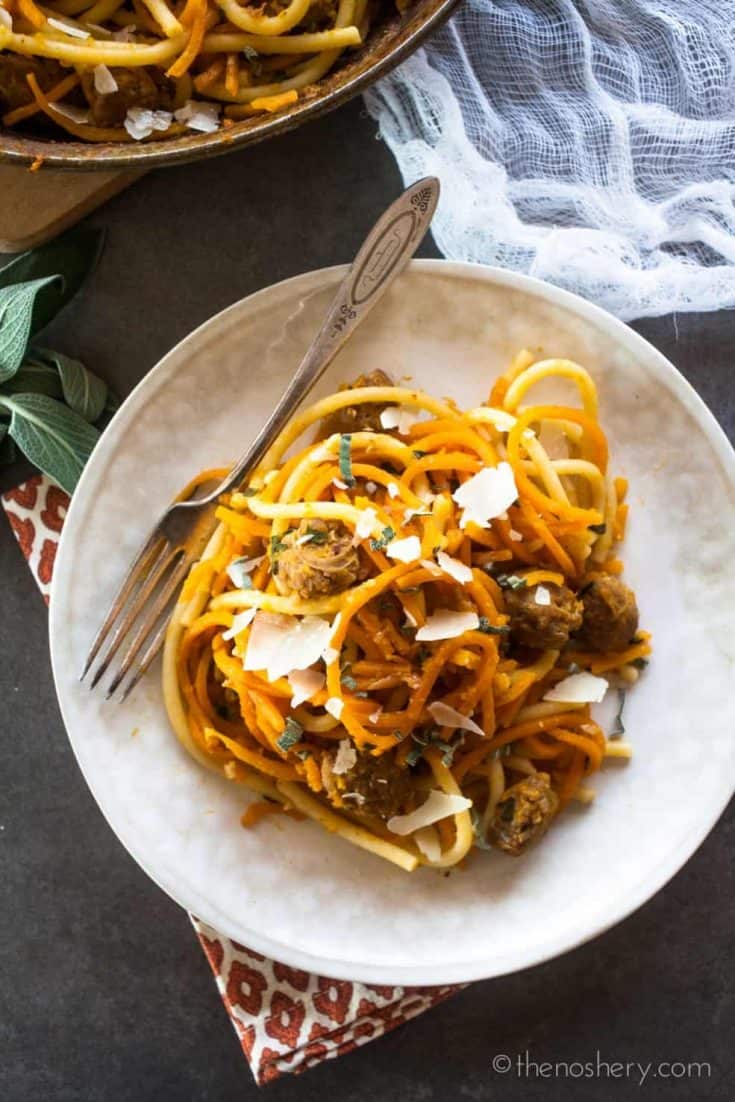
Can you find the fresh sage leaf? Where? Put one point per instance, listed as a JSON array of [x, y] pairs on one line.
[[54, 438], [16, 314], [83, 392], [72, 256], [35, 378]]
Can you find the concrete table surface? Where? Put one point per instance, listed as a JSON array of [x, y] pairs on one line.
[[104, 993]]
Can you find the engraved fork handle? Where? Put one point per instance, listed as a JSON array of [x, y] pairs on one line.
[[387, 249]]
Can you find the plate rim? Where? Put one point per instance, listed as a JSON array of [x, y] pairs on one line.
[[598, 920]]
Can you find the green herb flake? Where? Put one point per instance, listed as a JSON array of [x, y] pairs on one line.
[[349, 683], [345, 459], [420, 454], [639, 663], [292, 732], [378, 545], [303, 754], [316, 535], [480, 840], [492, 629], [249, 492], [510, 581], [619, 727], [277, 545], [414, 755]]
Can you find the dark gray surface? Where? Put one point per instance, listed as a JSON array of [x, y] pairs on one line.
[[104, 992]]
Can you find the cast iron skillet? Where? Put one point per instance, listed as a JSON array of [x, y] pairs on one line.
[[391, 40]]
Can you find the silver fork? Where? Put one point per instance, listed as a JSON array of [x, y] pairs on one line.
[[136, 621]]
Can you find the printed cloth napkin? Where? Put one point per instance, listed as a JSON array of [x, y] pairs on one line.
[[287, 1020]]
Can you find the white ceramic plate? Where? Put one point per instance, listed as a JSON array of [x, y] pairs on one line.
[[290, 890]]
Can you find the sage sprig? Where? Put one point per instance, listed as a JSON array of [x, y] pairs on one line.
[[51, 406]]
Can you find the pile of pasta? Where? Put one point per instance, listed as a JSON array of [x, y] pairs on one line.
[[247, 59], [449, 511]]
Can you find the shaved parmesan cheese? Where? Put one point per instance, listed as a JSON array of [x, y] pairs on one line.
[[375, 716], [198, 115], [454, 568], [427, 841], [104, 81], [445, 623], [339, 483], [438, 806], [542, 595], [370, 488], [243, 620], [405, 550], [6, 19], [580, 688], [365, 524], [396, 417], [305, 684], [335, 706], [431, 567], [140, 122], [486, 495], [410, 621], [279, 644], [446, 716], [346, 757], [75, 114], [515, 536], [330, 655], [393, 490], [68, 28], [239, 570]]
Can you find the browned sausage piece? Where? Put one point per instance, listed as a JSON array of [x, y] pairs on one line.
[[610, 618], [14, 90], [543, 626], [375, 786], [362, 418], [325, 563], [135, 88], [523, 814]]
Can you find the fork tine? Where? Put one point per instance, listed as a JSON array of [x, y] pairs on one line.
[[150, 653], [143, 561], [151, 621], [128, 614]]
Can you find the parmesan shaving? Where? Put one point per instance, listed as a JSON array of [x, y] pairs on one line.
[[486, 495], [6, 19], [335, 706], [454, 568], [438, 805], [339, 483], [240, 569], [104, 81], [305, 684], [427, 841], [68, 28], [580, 688], [140, 122], [542, 595], [393, 490], [203, 117], [445, 623], [446, 716], [365, 524], [405, 550], [280, 644], [346, 757], [243, 620], [431, 567]]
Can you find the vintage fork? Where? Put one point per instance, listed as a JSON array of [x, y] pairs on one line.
[[138, 615]]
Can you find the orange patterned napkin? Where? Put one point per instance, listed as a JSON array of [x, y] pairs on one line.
[[286, 1020]]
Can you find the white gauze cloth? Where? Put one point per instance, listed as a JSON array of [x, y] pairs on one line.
[[591, 144]]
